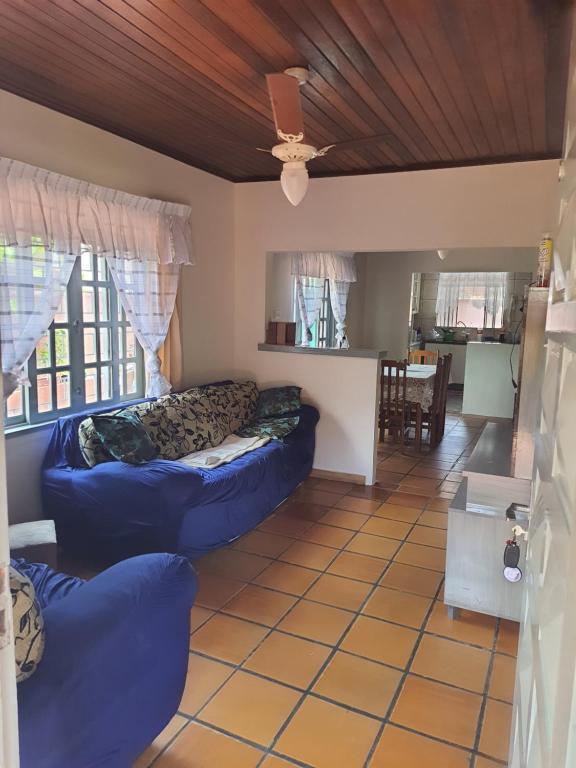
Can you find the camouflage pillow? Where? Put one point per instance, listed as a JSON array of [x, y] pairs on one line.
[[234, 404], [90, 444], [28, 625], [277, 401], [276, 429], [124, 437]]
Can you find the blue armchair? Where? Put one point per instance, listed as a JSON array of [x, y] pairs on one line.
[[114, 665]]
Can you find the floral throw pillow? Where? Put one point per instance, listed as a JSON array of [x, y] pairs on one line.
[[123, 435], [277, 401], [28, 625]]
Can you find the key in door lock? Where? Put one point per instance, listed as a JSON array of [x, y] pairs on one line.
[[512, 555]]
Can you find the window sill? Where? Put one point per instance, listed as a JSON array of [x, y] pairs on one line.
[[19, 429], [326, 351]]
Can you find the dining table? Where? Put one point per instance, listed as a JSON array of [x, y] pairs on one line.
[[420, 384]]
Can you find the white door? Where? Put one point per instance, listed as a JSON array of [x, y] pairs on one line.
[[544, 717], [8, 705]]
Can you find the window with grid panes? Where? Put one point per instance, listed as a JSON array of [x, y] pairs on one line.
[[324, 329], [89, 355]]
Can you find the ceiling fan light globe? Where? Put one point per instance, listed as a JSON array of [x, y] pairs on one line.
[[442, 253], [294, 181]]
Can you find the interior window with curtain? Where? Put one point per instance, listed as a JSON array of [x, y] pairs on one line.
[[473, 299]]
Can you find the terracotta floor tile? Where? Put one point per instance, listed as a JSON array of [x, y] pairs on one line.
[[427, 484], [359, 567], [495, 736], [398, 748], [328, 736], [339, 592], [399, 463], [396, 606], [408, 578], [209, 749], [287, 578], [369, 492], [430, 537], [380, 641], [304, 510], [397, 512], [250, 707], [309, 555], [438, 710], [264, 606], [503, 678], [285, 525], [331, 486], [227, 638], [438, 505], [359, 683], [262, 543], [374, 546], [203, 679], [232, 564], [412, 500], [316, 622], [450, 485], [452, 663], [507, 641], [392, 529], [364, 506], [344, 519], [457, 476], [424, 557], [434, 519], [289, 660], [386, 476], [160, 742], [482, 762], [276, 762], [430, 472], [319, 497], [327, 535], [469, 627], [199, 616], [214, 592]]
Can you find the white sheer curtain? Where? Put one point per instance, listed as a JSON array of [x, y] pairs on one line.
[[147, 291], [45, 220], [338, 301], [309, 292], [483, 290], [340, 269], [32, 282]]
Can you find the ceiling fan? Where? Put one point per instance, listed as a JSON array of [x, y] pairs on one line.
[[284, 92]]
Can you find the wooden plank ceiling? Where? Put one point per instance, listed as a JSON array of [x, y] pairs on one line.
[[455, 82]]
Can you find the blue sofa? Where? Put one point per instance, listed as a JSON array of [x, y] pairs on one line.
[[114, 664], [115, 510]]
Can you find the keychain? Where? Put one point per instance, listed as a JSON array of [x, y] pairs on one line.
[[511, 559]]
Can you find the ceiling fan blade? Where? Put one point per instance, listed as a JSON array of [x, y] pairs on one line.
[[352, 144], [284, 93]]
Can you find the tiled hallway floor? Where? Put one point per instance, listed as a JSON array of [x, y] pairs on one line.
[[320, 639]]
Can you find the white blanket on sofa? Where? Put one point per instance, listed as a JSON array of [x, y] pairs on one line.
[[232, 447]]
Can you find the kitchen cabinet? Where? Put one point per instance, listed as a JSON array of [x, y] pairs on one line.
[[458, 352]]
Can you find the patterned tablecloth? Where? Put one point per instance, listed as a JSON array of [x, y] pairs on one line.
[[420, 384]]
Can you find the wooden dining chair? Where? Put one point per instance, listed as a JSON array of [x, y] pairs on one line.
[[423, 356], [441, 416], [392, 412]]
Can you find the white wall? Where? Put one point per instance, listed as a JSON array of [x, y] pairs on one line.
[[477, 207], [388, 280], [45, 138]]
